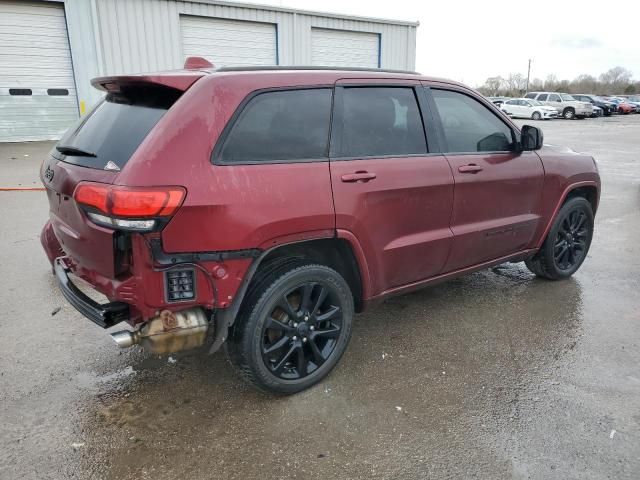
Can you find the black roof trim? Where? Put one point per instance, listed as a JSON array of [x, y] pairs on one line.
[[310, 67]]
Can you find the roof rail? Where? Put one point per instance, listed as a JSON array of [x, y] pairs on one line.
[[252, 68]]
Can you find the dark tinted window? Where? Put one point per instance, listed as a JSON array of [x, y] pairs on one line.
[[554, 98], [378, 121], [283, 125], [543, 97], [116, 127], [469, 126], [530, 95]]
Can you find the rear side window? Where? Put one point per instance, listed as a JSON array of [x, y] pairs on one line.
[[116, 127], [469, 126], [530, 95], [281, 126], [379, 121]]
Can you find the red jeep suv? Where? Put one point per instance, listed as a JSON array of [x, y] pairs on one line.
[[265, 206]]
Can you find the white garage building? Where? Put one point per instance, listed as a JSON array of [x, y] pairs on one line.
[[50, 49]]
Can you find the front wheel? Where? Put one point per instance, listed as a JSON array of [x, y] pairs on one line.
[[293, 328], [536, 116], [569, 113], [567, 243]]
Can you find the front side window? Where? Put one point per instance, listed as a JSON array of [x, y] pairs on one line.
[[530, 95], [554, 98], [543, 97], [379, 121], [469, 126], [284, 125]]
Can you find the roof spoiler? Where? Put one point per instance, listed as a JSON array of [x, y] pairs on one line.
[[179, 80]]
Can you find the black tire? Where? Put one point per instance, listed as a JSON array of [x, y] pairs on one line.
[[536, 116], [569, 113], [307, 352], [567, 243]]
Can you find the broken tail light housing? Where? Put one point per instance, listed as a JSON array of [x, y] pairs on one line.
[[140, 209]]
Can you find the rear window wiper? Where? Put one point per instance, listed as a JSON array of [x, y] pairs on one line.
[[69, 150]]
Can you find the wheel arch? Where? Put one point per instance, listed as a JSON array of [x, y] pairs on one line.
[[338, 252], [587, 189]]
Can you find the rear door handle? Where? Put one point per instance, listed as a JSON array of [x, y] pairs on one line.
[[358, 177], [471, 168]]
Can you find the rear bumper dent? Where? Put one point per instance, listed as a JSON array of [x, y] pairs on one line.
[[106, 315]]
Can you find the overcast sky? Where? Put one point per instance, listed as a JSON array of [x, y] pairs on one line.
[[471, 40]]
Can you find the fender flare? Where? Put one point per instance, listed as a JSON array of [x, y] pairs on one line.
[[563, 197], [227, 316]]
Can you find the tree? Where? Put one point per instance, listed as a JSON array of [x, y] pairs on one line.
[[493, 85], [551, 83], [630, 90], [584, 84], [516, 84], [615, 79]]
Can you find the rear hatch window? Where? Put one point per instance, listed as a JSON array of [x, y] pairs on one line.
[[116, 127]]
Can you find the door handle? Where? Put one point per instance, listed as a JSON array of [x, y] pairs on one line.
[[358, 177], [471, 168]]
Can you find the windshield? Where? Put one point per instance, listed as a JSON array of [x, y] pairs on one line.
[[566, 97], [116, 127]]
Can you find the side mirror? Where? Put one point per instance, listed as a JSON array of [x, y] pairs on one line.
[[531, 138]]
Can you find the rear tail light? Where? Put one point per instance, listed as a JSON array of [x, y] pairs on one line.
[[128, 208]]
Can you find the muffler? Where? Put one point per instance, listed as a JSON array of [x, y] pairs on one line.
[[169, 332]]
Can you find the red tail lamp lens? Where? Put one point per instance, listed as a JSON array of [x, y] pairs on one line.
[[145, 203], [130, 202], [95, 196]]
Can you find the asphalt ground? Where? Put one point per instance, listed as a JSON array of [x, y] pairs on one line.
[[494, 375]]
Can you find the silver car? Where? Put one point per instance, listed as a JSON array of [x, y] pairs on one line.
[[565, 104]]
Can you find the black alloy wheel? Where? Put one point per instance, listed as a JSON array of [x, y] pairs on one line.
[[567, 243], [302, 331], [570, 245], [294, 328]]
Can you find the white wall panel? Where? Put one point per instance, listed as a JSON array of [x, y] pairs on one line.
[[344, 48], [229, 42], [35, 57]]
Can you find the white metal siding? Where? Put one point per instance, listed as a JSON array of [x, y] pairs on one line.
[[229, 42], [145, 35], [35, 55], [342, 48]]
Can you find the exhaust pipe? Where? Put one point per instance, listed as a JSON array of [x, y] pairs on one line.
[[169, 332], [125, 338]]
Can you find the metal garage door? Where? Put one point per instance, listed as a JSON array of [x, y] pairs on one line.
[[37, 90], [343, 48], [229, 42]]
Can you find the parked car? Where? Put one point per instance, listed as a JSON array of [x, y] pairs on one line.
[[526, 108], [607, 107], [498, 100], [597, 112], [623, 107], [635, 101], [260, 208], [565, 104]]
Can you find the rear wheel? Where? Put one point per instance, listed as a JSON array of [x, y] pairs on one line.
[[293, 328], [536, 116], [569, 113], [567, 243]]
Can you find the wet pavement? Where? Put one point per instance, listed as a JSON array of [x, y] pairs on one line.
[[494, 375]]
